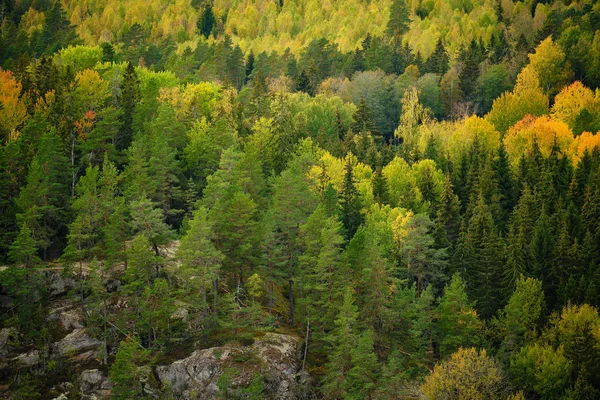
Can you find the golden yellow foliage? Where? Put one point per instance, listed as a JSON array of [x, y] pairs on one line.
[[571, 101], [585, 141], [544, 130], [13, 111]]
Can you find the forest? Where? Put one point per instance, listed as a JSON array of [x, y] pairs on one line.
[[300, 199]]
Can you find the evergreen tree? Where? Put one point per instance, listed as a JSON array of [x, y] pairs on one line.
[[303, 84], [342, 341], [292, 202], [126, 373], [321, 239], [447, 222], [198, 253], [506, 186], [351, 203], [23, 250], [398, 22], [129, 96], [108, 52], [520, 320], [207, 20], [148, 221], [458, 325], [249, 66], [362, 375], [482, 259], [438, 62], [470, 59]]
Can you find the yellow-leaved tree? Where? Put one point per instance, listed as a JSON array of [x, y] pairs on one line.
[[527, 98], [12, 109], [469, 374], [544, 131]]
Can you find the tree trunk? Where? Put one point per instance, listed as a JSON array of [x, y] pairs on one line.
[[291, 301], [306, 342]]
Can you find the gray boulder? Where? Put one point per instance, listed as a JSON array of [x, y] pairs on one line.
[[59, 285], [28, 359], [93, 383], [75, 343], [68, 317], [272, 356], [6, 336]]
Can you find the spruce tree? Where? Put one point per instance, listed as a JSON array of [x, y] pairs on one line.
[[438, 62], [447, 221], [249, 66], [483, 259], [458, 325], [207, 20], [351, 203], [303, 84], [342, 341]]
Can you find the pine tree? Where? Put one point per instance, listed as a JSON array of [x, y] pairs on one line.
[[198, 253], [398, 22], [125, 373], [351, 203], [321, 240], [148, 221], [292, 202], [24, 250]]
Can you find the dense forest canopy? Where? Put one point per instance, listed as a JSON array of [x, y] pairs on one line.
[[410, 189]]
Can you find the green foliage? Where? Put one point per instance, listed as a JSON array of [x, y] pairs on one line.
[[322, 166], [458, 324], [543, 370], [126, 372]]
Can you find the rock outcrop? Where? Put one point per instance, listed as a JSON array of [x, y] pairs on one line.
[[271, 358], [58, 284], [93, 383], [6, 336], [76, 343]]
